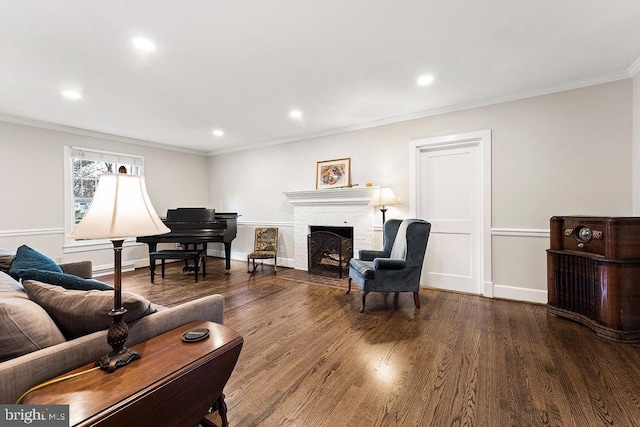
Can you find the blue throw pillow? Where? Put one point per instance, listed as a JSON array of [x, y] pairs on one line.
[[30, 258], [64, 280]]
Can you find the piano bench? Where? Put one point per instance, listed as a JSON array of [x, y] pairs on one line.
[[163, 255]]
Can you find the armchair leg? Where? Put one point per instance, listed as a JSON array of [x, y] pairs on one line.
[[348, 287], [364, 297], [416, 299]]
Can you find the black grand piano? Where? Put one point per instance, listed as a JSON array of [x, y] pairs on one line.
[[193, 226]]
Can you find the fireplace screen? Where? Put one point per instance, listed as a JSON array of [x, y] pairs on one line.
[[330, 249]]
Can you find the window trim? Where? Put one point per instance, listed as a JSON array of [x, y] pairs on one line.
[[71, 245]]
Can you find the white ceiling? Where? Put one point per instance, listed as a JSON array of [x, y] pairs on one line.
[[242, 65]]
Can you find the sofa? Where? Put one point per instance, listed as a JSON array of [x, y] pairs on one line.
[[20, 373]]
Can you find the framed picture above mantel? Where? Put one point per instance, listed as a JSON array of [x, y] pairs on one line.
[[333, 173]]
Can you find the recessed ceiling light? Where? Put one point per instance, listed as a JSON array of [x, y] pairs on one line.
[[144, 44], [71, 94], [425, 80], [296, 114], [218, 132]]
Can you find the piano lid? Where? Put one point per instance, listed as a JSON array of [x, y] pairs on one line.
[[191, 214]]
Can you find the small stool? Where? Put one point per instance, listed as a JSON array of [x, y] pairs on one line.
[[195, 256]]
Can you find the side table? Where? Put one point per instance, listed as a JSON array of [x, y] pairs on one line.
[[173, 384]]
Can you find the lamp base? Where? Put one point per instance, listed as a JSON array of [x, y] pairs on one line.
[[384, 211], [116, 359]]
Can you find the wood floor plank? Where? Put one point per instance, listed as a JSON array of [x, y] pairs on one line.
[[311, 359]]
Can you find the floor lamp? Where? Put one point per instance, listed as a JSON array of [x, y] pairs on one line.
[[383, 197], [120, 208]]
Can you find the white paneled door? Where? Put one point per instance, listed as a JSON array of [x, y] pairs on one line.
[[449, 194]]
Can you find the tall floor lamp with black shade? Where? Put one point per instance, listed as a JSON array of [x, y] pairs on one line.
[[120, 208]]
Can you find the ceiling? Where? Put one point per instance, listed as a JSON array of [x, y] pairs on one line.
[[242, 66]]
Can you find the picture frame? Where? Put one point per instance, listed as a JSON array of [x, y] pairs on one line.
[[333, 173]]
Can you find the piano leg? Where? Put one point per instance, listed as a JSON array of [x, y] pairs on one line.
[[227, 256], [152, 260]]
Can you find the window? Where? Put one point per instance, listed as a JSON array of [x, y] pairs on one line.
[[82, 172]]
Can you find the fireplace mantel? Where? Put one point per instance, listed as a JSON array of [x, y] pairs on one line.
[[331, 196]]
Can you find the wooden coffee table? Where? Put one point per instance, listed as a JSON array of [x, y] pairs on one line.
[[173, 384]]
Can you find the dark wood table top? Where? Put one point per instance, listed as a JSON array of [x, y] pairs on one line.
[[168, 369]]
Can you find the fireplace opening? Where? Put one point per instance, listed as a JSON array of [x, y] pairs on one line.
[[329, 250]]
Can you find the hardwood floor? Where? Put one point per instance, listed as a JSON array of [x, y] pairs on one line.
[[310, 359]]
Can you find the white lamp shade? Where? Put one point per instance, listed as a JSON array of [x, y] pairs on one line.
[[120, 208], [383, 197]]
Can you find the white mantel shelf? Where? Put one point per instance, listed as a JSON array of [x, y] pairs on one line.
[[331, 196]]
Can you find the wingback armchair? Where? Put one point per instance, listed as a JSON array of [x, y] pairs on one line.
[[398, 266]]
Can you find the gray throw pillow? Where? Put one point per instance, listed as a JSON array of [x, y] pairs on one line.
[[80, 313], [25, 327]]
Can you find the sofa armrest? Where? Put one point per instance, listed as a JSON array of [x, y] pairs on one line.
[[210, 308], [19, 374], [369, 255], [389, 264], [83, 269]]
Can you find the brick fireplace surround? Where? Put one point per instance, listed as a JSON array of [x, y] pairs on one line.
[[337, 207]]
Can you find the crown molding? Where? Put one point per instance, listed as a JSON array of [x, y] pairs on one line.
[[634, 68], [630, 72], [94, 134], [576, 84]]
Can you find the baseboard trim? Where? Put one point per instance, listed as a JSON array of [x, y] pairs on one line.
[[536, 296], [242, 256], [106, 269]]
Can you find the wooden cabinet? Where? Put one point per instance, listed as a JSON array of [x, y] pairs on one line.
[[593, 274]]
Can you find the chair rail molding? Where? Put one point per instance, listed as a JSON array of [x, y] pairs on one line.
[[31, 232], [521, 232]]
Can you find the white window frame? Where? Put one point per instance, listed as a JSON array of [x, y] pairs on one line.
[[70, 153]]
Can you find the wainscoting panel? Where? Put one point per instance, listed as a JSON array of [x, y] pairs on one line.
[[520, 264], [45, 240]]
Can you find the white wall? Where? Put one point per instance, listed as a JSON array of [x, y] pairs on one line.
[[31, 172], [561, 154], [636, 145], [566, 153]]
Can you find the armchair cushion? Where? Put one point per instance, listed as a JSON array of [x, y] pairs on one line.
[[262, 254], [364, 268]]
